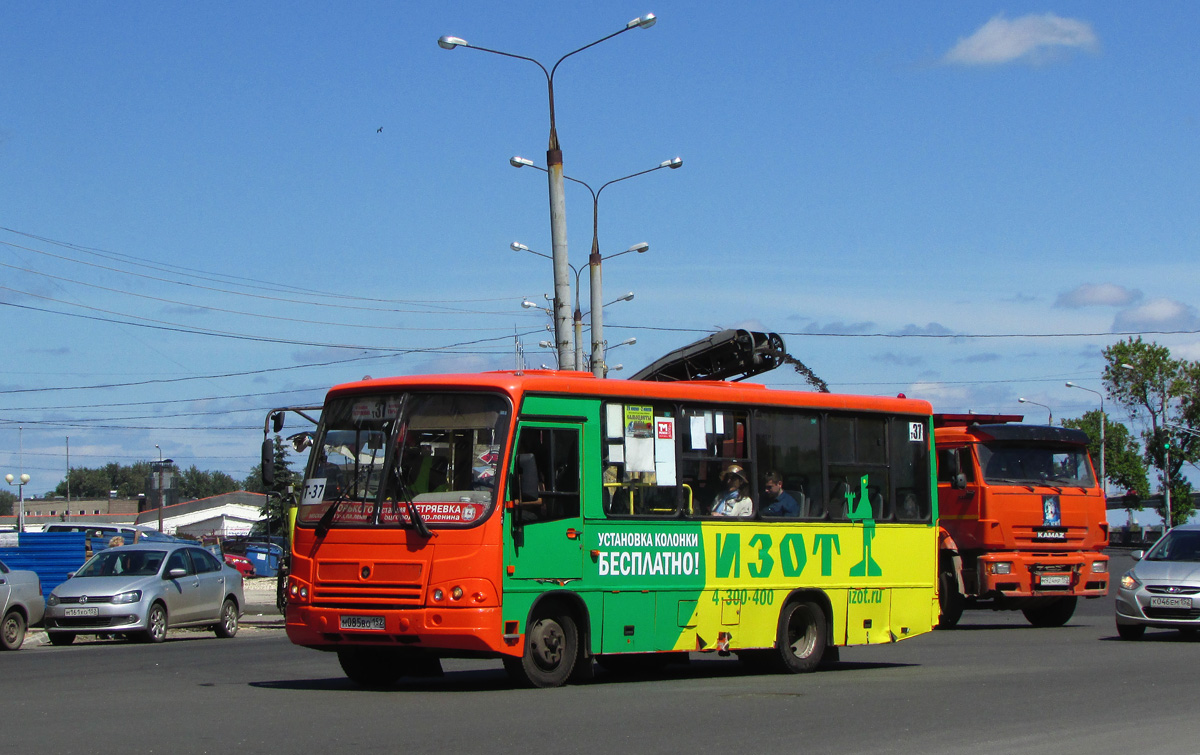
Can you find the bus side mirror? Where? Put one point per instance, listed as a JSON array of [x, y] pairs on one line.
[[268, 462], [527, 477]]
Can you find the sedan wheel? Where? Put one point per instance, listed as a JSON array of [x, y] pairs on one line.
[[12, 631], [156, 624], [229, 619]]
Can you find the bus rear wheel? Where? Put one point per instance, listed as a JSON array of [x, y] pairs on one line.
[[551, 650], [801, 638], [1054, 613]]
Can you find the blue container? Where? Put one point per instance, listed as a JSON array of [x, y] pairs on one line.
[[265, 558]]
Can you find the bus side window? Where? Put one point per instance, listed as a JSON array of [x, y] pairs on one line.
[[556, 451]]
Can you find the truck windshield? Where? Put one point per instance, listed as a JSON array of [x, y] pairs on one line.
[[374, 454], [1035, 464]]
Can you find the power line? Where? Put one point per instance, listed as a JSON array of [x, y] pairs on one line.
[[948, 336]]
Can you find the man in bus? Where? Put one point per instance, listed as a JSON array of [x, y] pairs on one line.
[[776, 500]]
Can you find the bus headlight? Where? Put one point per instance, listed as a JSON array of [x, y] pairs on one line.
[[438, 594]]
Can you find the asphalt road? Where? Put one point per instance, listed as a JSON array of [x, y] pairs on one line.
[[995, 685]]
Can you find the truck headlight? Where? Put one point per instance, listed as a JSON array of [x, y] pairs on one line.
[[1099, 567], [1002, 567]]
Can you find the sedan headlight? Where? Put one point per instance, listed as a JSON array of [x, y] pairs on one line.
[[132, 596], [52, 600], [1128, 581]]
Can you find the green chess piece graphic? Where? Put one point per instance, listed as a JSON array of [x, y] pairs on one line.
[[860, 511]]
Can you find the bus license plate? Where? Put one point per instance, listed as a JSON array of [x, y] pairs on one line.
[[91, 611], [1169, 601], [1055, 580], [362, 622]]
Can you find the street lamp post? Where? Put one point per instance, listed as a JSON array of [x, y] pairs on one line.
[[576, 317], [1050, 421], [595, 280], [161, 465], [554, 161], [1103, 422], [20, 483]]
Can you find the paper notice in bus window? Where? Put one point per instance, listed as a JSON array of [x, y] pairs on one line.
[[699, 439], [639, 422], [664, 450], [616, 453], [719, 423], [613, 426]]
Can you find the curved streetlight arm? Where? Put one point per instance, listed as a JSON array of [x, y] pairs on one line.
[[1103, 422]]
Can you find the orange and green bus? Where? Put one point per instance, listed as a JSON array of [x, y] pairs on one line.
[[553, 520]]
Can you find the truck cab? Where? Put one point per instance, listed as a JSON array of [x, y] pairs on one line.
[[1022, 518]]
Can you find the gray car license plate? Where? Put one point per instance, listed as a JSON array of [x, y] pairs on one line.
[[90, 611], [1170, 601], [362, 622]]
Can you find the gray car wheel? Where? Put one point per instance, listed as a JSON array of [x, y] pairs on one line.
[[156, 624], [228, 626], [12, 631]]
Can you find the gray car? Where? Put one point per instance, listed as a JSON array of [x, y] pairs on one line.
[[1163, 588], [142, 590], [21, 597]]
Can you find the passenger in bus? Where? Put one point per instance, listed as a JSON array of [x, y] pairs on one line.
[[776, 500], [735, 501]]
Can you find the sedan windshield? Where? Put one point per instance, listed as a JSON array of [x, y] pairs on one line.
[[378, 457], [1035, 464], [118, 563], [1178, 545]]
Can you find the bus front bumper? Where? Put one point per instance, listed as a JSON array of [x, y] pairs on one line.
[[467, 630]]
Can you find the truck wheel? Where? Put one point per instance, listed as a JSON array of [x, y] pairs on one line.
[[12, 631], [801, 637], [1052, 614], [949, 600], [551, 651]]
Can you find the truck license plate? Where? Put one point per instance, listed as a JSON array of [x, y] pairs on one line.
[[90, 611], [362, 622], [1170, 601], [1055, 580]]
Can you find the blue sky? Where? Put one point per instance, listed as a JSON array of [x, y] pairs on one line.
[[214, 209]]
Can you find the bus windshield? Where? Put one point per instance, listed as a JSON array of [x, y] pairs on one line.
[[1035, 464], [377, 454]]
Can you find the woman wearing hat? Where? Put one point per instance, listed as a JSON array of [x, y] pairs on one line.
[[735, 501]]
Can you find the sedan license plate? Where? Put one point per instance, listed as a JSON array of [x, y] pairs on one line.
[[90, 611], [362, 622], [1170, 601], [1055, 580]]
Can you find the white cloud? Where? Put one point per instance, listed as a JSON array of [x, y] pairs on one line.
[[1031, 38], [1158, 314], [1098, 295]]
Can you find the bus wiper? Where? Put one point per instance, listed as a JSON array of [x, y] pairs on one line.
[[414, 513], [326, 520]]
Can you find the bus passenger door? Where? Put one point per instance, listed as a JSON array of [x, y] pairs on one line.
[[545, 536]]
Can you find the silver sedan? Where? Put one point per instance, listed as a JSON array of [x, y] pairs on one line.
[[142, 590], [1163, 588], [22, 604]]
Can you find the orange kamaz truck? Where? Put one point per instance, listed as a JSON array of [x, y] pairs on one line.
[[1022, 518]]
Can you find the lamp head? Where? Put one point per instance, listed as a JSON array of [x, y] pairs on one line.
[[1071, 385], [546, 344], [449, 43], [628, 342], [517, 246], [528, 304], [627, 297], [9, 479], [639, 248], [520, 162], [1021, 400], [673, 163], [24, 479], [642, 22]]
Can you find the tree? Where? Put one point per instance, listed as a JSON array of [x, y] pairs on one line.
[[7, 503], [1123, 464], [194, 483], [1161, 392]]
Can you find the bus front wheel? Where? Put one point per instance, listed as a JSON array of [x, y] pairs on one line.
[[551, 650], [801, 638]]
